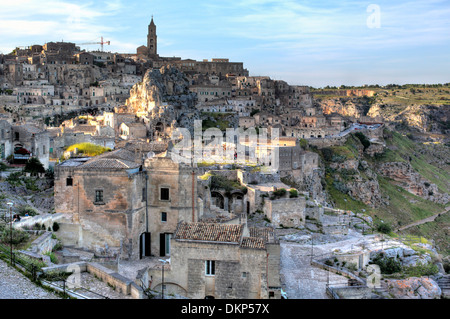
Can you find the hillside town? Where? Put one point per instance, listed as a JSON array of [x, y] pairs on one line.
[[168, 177]]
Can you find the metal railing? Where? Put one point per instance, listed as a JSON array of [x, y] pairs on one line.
[[35, 273]]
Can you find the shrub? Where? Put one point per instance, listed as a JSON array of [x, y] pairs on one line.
[[388, 265], [34, 166], [279, 192], [384, 228], [303, 143], [52, 256], [421, 270], [327, 154], [27, 209], [18, 236], [293, 193]]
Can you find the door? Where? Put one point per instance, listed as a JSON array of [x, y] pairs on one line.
[[144, 245], [164, 244]]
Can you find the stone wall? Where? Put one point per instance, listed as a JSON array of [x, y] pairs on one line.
[[108, 227], [238, 272], [118, 282], [287, 212]]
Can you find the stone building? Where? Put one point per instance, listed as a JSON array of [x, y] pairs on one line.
[[172, 197], [116, 206], [211, 260], [5, 139], [103, 203], [151, 50], [132, 131], [33, 139]]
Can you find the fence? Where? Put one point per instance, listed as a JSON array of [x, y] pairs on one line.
[[34, 272]]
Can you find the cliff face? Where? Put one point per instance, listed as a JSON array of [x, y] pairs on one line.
[[345, 107], [365, 174], [162, 86], [423, 117], [412, 181], [163, 97]]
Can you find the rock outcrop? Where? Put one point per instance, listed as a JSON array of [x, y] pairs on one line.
[[164, 102], [409, 179], [414, 288]]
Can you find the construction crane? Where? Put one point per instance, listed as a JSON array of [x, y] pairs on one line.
[[101, 43]]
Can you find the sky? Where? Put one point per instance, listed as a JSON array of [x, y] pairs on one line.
[[315, 43]]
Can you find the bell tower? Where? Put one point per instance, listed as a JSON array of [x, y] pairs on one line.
[[152, 39]]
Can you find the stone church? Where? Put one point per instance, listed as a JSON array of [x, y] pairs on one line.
[[151, 50]]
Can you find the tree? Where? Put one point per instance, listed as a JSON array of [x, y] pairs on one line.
[[34, 166]]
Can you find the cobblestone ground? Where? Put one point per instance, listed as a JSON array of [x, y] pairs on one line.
[[301, 280], [14, 285]]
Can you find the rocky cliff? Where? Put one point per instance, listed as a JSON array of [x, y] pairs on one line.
[[163, 97]]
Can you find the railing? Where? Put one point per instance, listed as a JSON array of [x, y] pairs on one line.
[[35, 273]]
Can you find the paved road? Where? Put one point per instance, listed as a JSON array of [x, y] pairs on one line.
[[425, 220], [14, 285]]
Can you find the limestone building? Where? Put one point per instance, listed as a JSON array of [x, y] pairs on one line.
[[151, 50], [211, 260]]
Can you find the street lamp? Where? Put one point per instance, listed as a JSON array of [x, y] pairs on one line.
[[162, 286], [10, 204]]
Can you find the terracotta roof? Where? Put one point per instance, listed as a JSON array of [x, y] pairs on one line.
[[264, 233], [120, 158], [209, 232], [111, 163], [253, 243]]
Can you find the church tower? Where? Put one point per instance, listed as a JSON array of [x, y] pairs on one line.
[[152, 39]]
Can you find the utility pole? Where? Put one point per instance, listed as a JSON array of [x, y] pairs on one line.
[[10, 204], [162, 285]]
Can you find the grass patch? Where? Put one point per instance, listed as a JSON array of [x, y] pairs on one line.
[[404, 206], [88, 149]]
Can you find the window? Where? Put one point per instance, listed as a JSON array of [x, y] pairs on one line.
[[69, 181], [99, 196], [164, 194], [143, 194], [164, 217], [210, 268]]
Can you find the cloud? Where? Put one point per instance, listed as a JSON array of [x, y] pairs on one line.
[[53, 20]]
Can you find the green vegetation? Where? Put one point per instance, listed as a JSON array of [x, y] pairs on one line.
[[215, 120], [388, 265], [278, 193], [34, 166], [18, 236], [384, 228], [27, 210], [293, 193], [88, 149], [52, 256], [404, 206], [221, 182], [3, 167]]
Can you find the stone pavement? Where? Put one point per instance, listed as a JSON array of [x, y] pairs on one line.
[[14, 285], [300, 280]]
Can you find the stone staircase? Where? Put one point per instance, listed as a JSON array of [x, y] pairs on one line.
[[47, 220], [218, 210], [444, 284]]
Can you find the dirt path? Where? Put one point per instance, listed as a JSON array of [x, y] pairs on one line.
[[425, 220]]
